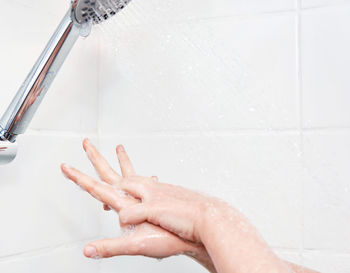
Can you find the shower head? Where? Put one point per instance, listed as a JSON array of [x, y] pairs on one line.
[[97, 11], [82, 14]]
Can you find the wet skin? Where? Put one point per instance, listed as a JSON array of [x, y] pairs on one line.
[[168, 220]]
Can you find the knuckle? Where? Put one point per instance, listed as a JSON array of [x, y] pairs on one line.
[[91, 187], [104, 251], [143, 188]]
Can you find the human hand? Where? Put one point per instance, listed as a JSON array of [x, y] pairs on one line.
[[143, 239]]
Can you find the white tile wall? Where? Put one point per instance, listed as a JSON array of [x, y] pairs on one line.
[[155, 11], [320, 3], [327, 191], [65, 258], [326, 60], [247, 98], [41, 207], [231, 96], [327, 262], [46, 219], [212, 74]]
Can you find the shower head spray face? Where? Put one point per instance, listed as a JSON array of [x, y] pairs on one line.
[[97, 11]]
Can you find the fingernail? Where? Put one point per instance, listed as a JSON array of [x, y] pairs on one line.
[[87, 142], [155, 178], [66, 166], [121, 148], [91, 252]]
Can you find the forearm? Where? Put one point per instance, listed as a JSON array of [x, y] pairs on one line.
[[234, 245]]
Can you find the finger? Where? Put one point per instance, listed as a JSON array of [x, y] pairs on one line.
[[137, 189], [125, 162], [107, 248], [102, 167], [101, 192], [134, 215]]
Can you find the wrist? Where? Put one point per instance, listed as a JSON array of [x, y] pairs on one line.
[[201, 256], [212, 214], [233, 242]]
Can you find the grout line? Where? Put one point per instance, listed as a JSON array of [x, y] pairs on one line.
[[327, 251], [99, 122], [301, 117], [44, 250], [299, 69], [327, 129], [99, 93], [313, 250], [189, 133], [197, 132], [211, 133], [58, 133]]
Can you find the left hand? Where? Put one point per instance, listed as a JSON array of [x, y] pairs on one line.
[[143, 239]]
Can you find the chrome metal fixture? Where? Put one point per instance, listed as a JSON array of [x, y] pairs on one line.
[[82, 14]]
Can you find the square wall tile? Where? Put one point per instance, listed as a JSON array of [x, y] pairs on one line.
[[40, 207], [327, 191], [51, 8], [326, 262], [259, 174], [216, 74], [325, 66], [67, 259]]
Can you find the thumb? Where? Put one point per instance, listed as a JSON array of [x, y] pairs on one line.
[[107, 248]]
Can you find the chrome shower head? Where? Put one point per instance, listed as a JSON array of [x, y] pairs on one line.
[[82, 14], [97, 11]]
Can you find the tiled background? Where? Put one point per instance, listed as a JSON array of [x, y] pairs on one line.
[[247, 100]]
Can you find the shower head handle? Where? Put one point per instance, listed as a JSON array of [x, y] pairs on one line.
[[28, 98], [81, 16]]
